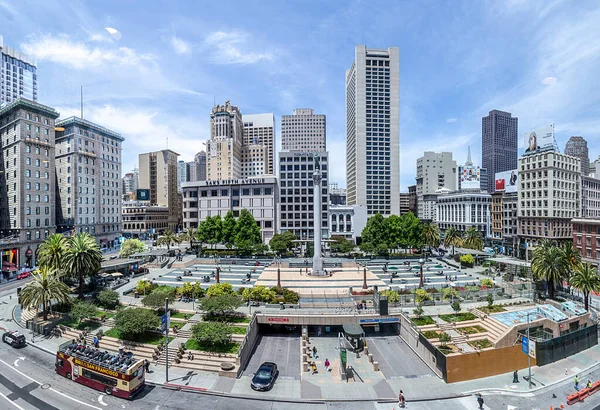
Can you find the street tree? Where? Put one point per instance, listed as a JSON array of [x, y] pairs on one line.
[[453, 237], [220, 289], [248, 233], [52, 253], [283, 242], [132, 323], [455, 306], [131, 247], [82, 310], [212, 333], [412, 231], [229, 229], [431, 235], [473, 239], [375, 235], [157, 299], [340, 244], [83, 258], [219, 305], [549, 264], [108, 299], [586, 280], [167, 238], [45, 288]]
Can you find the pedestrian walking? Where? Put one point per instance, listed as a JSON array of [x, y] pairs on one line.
[[401, 400], [589, 384], [515, 377], [480, 401], [96, 342], [315, 352], [327, 364], [576, 380], [147, 365], [314, 368]]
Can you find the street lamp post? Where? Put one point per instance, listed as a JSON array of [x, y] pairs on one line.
[[528, 355], [193, 295], [421, 263]]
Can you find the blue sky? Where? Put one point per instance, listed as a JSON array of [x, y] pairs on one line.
[[172, 59]]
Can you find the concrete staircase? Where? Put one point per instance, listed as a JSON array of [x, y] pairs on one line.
[[204, 361]]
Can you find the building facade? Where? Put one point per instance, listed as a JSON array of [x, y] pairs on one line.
[[465, 210], [224, 156], [347, 220], [510, 226], [412, 199], [499, 144], [88, 168], [586, 238], [549, 197], [404, 203], [196, 169], [18, 75], [158, 173], [27, 182], [577, 147], [373, 130], [142, 220], [182, 174], [210, 198], [259, 129], [130, 182], [304, 131], [435, 171], [590, 197], [255, 159], [337, 196], [496, 219], [296, 210]]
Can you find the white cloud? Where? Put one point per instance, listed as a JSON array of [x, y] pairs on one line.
[[231, 47], [64, 51], [549, 80], [451, 120], [180, 46], [114, 33]]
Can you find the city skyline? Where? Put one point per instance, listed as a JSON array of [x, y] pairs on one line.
[[143, 86]]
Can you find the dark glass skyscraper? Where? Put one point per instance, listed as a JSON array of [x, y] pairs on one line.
[[577, 147], [499, 144]]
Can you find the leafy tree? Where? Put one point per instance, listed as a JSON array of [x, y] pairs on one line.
[[131, 247], [548, 263], [473, 239], [220, 304], [157, 299], [444, 339], [488, 283], [455, 306], [412, 231], [431, 235], [392, 295], [45, 288], [260, 294], [341, 245], [145, 287], [82, 310], [213, 333], [213, 230], [248, 232], [586, 280], [467, 260], [83, 258], [186, 290], [108, 299], [375, 235], [220, 289], [453, 237], [131, 323], [167, 238], [229, 229], [289, 296], [421, 296], [449, 293], [283, 242], [490, 300], [418, 311], [52, 252], [395, 231]]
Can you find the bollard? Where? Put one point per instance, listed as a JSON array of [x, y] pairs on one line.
[[304, 358], [304, 343], [375, 366], [367, 351], [371, 358], [305, 366]]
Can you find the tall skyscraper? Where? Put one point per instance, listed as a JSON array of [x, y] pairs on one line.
[[27, 181], [200, 160], [577, 147], [18, 75], [182, 174], [88, 170], [225, 144], [499, 144], [372, 130], [304, 131], [158, 173], [259, 138]]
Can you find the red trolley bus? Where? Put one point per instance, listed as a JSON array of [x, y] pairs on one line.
[[113, 373]]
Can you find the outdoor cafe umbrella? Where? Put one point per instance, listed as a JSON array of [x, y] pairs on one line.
[[117, 274]]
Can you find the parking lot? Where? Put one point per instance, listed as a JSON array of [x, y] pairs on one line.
[[281, 349]]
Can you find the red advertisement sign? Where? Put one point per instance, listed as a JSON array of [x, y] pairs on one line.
[[278, 319]]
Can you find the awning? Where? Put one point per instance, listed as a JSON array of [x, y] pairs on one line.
[[117, 274], [353, 330], [104, 275]]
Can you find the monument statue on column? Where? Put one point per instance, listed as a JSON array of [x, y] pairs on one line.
[[318, 236]]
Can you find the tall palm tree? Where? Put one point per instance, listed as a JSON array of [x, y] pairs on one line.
[[45, 288], [453, 237], [52, 252], [572, 256], [83, 258], [189, 235], [431, 235], [586, 279], [548, 263], [473, 239], [167, 238]]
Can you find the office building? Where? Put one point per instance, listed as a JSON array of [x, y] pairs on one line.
[[224, 149], [404, 203], [337, 196], [549, 197], [296, 212], [347, 220], [182, 174], [18, 75], [412, 199], [590, 197], [130, 183], [577, 147], [211, 198], [304, 131], [435, 171], [499, 144], [372, 130], [254, 160], [465, 210], [586, 239], [259, 129], [141, 220], [27, 182], [158, 173], [471, 177], [88, 170], [196, 169]]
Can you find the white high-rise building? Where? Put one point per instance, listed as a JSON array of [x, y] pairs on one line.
[[304, 131], [436, 172], [182, 174], [18, 75], [258, 155], [373, 130]]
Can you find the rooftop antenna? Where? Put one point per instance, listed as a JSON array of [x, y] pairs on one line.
[[82, 102], [469, 162]]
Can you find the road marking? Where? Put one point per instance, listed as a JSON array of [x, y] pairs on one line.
[[17, 361], [54, 390], [12, 402], [101, 401]]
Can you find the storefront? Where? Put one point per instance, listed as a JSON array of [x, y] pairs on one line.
[[10, 262]]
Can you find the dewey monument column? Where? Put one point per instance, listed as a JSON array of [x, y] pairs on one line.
[[317, 260]]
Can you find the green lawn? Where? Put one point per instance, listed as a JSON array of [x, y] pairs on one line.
[[470, 330], [238, 330], [181, 315], [149, 338], [100, 313], [481, 344], [193, 344], [492, 309], [431, 334], [423, 320], [458, 317], [230, 319], [85, 325]]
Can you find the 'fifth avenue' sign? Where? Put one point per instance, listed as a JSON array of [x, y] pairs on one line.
[[245, 181]]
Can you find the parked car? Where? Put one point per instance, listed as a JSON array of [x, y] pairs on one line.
[[23, 275], [14, 338], [265, 377]]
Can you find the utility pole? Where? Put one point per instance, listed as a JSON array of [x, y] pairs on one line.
[[528, 355], [167, 339]]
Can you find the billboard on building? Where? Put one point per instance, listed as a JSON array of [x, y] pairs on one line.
[[143, 195], [507, 181], [540, 139], [470, 177]]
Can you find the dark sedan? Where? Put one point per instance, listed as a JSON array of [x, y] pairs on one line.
[[265, 377]]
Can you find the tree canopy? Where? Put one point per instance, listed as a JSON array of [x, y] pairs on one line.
[[213, 333], [220, 304], [130, 247], [108, 299], [83, 258], [282, 242], [340, 244], [131, 323], [381, 235]]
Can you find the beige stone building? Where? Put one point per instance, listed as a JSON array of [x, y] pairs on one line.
[[224, 156], [259, 130]]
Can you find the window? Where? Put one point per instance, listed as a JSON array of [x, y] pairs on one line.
[[98, 377]]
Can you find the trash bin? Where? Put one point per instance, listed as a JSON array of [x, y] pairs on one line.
[[136, 295]]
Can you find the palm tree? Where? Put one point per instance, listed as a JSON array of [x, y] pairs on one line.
[[52, 252], [431, 235], [45, 288], [548, 263], [189, 235], [167, 238], [473, 239], [453, 237], [83, 258], [572, 256], [586, 279]]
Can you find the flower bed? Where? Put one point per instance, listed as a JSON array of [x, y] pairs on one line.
[[471, 330], [492, 309], [432, 334], [481, 344], [422, 321], [458, 317]]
